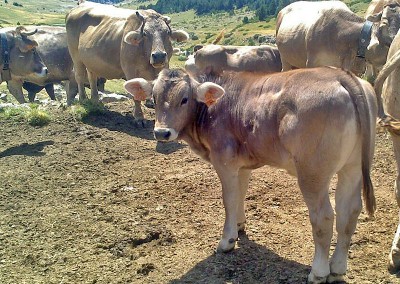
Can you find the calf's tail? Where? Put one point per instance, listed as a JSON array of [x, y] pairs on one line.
[[360, 101]]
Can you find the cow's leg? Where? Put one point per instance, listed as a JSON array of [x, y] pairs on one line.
[[348, 207], [244, 178], [50, 91], [15, 88], [94, 94], [394, 255], [80, 77], [315, 192], [31, 96]]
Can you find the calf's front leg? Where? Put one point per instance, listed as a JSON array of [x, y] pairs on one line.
[[231, 199]]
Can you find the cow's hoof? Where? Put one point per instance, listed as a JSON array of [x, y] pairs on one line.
[[149, 103], [313, 279], [335, 278], [139, 123], [226, 245], [241, 226]]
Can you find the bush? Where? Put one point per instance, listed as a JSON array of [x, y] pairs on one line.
[[17, 4], [80, 111], [36, 117]]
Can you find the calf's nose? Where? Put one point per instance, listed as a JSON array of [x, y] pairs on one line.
[[162, 134]]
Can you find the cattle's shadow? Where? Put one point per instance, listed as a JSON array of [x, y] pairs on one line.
[[26, 149], [116, 121], [125, 123], [250, 263], [169, 147]]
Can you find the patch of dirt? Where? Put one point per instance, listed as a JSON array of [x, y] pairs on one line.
[[101, 201]]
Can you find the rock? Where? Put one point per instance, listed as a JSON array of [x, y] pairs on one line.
[[109, 98], [3, 97]]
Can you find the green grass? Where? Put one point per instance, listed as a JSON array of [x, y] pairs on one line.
[[32, 115], [84, 109]]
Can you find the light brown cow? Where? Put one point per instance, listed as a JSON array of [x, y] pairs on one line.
[[321, 33], [217, 58], [391, 120], [18, 56], [112, 43], [314, 123]]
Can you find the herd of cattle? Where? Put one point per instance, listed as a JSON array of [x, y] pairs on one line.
[[234, 106]]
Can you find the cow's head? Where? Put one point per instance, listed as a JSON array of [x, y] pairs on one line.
[[177, 97], [153, 36], [24, 59], [387, 24]]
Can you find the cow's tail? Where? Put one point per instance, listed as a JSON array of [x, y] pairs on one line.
[[384, 120], [358, 95]]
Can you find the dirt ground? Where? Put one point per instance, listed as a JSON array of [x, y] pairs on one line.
[[101, 201]]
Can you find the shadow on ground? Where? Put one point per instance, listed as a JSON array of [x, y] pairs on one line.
[[26, 149], [249, 263], [125, 123]]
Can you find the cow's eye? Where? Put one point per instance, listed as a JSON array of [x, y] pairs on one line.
[[184, 101]]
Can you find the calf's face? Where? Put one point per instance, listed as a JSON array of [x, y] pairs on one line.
[[176, 97]]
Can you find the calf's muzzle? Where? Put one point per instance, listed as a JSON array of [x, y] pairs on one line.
[[162, 134]]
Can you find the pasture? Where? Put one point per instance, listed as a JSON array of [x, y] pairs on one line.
[[98, 200]]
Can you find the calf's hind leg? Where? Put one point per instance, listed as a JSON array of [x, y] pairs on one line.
[[315, 192], [348, 207], [244, 177]]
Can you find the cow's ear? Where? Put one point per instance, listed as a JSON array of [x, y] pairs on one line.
[[133, 38], [209, 93], [25, 44], [375, 17], [140, 88], [179, 35]]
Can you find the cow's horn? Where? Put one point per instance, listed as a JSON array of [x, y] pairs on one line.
[[29, 33]]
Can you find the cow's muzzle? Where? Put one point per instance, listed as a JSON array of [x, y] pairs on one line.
[[158, 59], [165, 134], [42, 72]]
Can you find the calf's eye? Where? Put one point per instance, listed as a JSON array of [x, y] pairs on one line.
[[184, 101]]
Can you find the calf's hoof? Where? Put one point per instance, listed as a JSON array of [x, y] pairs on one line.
[[313, 279], [394, 262], [335, 278], [226, 245]]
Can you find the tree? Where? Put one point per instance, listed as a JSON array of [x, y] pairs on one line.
[[261, 13], [245, 20]]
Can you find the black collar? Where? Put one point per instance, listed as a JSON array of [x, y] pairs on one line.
[[365, 38], [5, 52]]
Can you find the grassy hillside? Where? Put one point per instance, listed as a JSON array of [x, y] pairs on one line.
[[49, 12], [202, 29]]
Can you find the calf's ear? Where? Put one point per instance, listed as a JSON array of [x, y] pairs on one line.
[[209, 93], [139, 88], [179, 35], [133, 38]]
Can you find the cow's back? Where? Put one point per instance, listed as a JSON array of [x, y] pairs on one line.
[[94, 36], [301, 25]]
